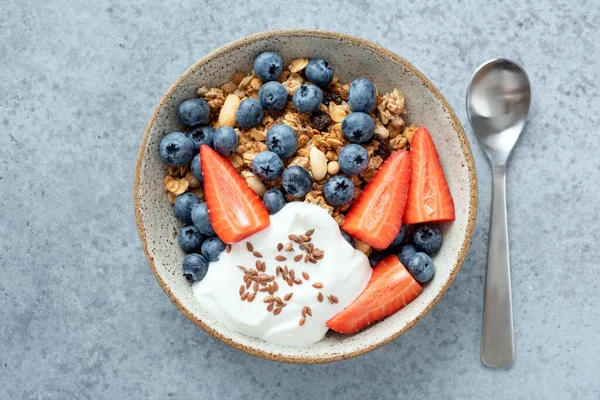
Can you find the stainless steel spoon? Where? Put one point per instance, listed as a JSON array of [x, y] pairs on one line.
[[498, 101]]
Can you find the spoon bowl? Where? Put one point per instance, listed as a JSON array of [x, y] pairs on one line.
[[498, 100]]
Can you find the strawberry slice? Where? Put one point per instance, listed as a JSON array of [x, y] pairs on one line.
[[429, 198], [234, 210], [390, 288], [376, 215]]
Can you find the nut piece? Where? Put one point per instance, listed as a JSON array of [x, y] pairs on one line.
[[256, 185], [230, 107], [318, 163], [362, 246], [333, 168]]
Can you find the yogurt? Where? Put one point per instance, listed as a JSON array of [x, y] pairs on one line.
[[322, 283]]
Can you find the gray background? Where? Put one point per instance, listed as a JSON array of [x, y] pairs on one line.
[[81, 315]]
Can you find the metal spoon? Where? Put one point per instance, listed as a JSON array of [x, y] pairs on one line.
[[498, 101]]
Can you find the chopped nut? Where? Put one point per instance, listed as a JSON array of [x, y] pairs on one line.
[[298, 64], [318, 164], [227, 114], [236, 160], [409, 132], [256, 185], [228, 87], [333, 167], [237, 77]]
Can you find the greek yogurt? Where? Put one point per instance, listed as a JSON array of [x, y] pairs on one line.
[[282, 284]]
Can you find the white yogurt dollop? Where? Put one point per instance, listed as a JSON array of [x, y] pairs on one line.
[[343, 272]]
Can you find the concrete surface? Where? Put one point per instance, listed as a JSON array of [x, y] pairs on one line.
[[81, 315]]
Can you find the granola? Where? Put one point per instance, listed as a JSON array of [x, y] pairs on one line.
[[320, 137]]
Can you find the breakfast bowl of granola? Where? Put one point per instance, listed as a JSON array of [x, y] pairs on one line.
[[304, 196]]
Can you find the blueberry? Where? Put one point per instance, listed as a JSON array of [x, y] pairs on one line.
[[250, 113], [226, 140], [296, 181], [338, 190], [358, 127], [421, 267], [199, 215], [347, 237], [195, 267], [353, 159], [176, 149], [193, 112], [362, 95], [212, 247], [268, 66], [267, 165], [282, 140], [319, 72], [427, 239], [307, 98], [406, 252], [190, 239], [397, 242], [273, 200], [202, 135], [183, 207], [196, 168], [273, 96], [377, 256]]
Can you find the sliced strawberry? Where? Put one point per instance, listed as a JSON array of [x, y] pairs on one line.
[[376, 216], [235, 211], [390, 288], [429, 198]]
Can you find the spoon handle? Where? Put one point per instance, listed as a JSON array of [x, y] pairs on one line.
[[497, 337]]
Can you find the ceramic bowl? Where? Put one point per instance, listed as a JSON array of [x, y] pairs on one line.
[[351, 58]]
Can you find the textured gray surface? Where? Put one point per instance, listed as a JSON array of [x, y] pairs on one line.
[[83, 317]]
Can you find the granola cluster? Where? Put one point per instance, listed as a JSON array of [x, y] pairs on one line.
[[320, 137]]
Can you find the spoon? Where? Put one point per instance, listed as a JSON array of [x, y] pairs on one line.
[[498, 100]]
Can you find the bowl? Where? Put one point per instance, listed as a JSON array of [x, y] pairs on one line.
[[351, 57]]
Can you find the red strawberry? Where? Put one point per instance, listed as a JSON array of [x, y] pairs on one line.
[[390, 288], [376, 216], [235, 211], [429, 198]]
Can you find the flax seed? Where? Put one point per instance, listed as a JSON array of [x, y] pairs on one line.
[[279, 246], [317, 285], [251, 297], [320, 297], [311, 247], [334, 299], [270, 307], [263, 289], [304, 238], [298, 281], [312, 260], [302, 321], [293, 237], [249, 247], [245, 296], [304, 311], [255, 287], [286, 270], [240, 267], [278, 300], [275, 286], [305, 275], [268, 299], [270, 289], [248, 283], [277, 310], [242, 290], [288, 296], [257, 254], [228, 248], [298, 257], [306, 258], [308, 311], [318, 253], [290, 282], [281, 258], [292, 274], [309, 232]]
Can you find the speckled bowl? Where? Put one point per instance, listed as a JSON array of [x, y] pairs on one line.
[[351, 58]]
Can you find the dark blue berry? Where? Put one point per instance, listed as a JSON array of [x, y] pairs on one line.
[[296, 181], [358, 127], [268, 66], [427, 239], [183, 207], [377, 256], [273, 200], [307, 98], [190, 239], [362, 95], [397, 242], [273, 96], [196, 168], [282, 140], [421, 267], [338, 190], [353, 159], [199, 215], [267, 165], [250, 113], [202, 135], [319, 72], [176, 149], [406, 252], [193, 112], [195, 267], [212, 247], [347, 238], [226, 140]]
